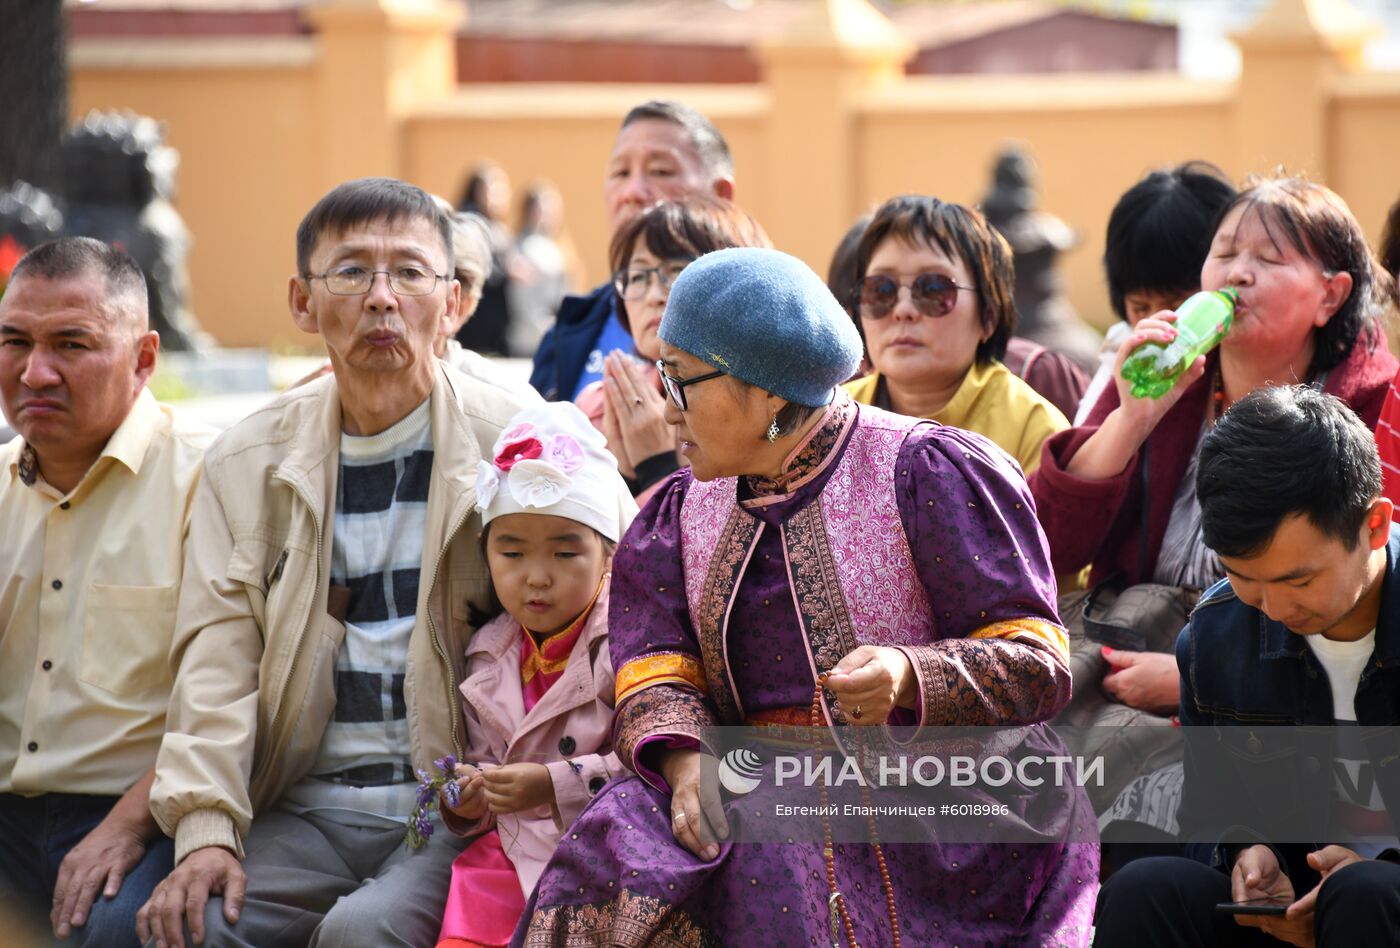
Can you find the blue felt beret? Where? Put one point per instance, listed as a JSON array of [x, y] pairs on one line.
[[765, 318]]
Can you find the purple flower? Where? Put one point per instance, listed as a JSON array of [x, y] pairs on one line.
[[420, 825]]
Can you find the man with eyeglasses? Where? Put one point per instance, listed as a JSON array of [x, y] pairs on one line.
[[333, 567], [664, 151]]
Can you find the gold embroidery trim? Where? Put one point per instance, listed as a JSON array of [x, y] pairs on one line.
[[1047, 632], [667, 668], [534, 664]]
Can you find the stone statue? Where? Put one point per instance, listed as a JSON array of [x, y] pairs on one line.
[[28, 218], [119, 177], [1037, 239]]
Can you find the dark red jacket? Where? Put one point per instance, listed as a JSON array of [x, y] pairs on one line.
[[1052, 374], [1099, 523]]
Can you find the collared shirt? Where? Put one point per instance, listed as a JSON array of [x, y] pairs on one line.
[[543, 658], [88, 587]]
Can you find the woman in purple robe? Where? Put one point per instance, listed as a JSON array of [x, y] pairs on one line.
[[810, 536]]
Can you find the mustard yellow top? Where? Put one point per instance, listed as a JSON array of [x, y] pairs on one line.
[[994, 403]]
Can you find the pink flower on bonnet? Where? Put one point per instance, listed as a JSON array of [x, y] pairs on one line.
[[551, 460]]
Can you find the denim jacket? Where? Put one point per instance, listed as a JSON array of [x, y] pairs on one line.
[[563, 352], [1242, 673]]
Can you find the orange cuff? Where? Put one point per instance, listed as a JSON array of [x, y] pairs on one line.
[[658, 669], [1048, 634]]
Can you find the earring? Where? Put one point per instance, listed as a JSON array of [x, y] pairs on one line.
[[772, 433]]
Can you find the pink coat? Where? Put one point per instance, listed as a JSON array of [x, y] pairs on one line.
[[569, 731]]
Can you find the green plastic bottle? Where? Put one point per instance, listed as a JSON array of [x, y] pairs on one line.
[[1201, 322]]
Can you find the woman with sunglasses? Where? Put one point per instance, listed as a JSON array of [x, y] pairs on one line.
[[827, 564], [934, 303], [647, 255]]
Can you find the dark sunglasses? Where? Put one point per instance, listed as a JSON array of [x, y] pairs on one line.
[[675, 388], [932, 294]]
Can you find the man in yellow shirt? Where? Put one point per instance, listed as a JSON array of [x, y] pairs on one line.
[[94, 498]]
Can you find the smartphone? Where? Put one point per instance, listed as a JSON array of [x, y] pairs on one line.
[[1272, 905]]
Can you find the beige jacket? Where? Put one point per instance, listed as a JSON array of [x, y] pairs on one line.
[[254, 648]]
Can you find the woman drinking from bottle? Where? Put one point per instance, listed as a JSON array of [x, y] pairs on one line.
[[1118, 493]]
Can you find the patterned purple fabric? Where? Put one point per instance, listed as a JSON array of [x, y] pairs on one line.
[[849, 563], [618, 878], [966, 517]]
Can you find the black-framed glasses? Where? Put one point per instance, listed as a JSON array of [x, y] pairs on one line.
[[352, 280], [933, 294], [675, 388], [632, 283]]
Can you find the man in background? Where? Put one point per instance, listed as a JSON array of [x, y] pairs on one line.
[[664, 151]]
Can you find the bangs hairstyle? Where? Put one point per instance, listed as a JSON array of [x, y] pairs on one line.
[[1160, 231], [1317, 223], [1284, 451], [364, 201], [479, 615], [609, 546], [684, 230], [961, 234]]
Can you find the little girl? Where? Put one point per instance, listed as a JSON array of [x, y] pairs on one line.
[[538, 688]]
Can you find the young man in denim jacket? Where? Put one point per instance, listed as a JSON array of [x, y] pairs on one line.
[[1304, 632]]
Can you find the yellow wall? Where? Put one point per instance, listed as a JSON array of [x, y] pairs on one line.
[[246, 177], [1092, 139], [565, 133], [1364, 142], [832, 131]]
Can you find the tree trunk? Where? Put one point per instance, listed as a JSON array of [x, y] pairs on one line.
[[34, 90]]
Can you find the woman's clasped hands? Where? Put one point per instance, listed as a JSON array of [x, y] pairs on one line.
[[633, 414], [869, 683]]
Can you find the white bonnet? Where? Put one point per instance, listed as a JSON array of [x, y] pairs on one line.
[[551, 460]]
